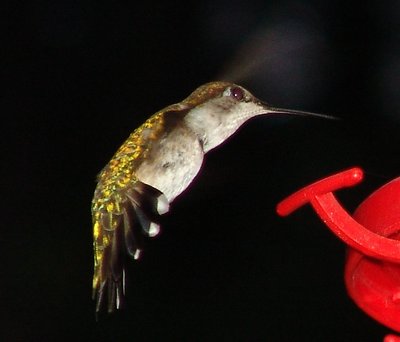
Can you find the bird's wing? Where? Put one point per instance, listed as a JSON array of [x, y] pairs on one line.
[[119, 234]]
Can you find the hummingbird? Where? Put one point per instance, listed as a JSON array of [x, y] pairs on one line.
[[155, 164]]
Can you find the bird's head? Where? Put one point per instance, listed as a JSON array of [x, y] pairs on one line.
[[217, 109]]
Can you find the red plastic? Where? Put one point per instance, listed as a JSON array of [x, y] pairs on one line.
[[372, 271]]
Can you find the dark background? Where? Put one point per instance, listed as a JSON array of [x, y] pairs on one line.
[[81, 75]]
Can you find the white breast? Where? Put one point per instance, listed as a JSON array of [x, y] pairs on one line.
[[172, 163]]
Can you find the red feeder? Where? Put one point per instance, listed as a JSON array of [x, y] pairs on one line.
[[372, 271]]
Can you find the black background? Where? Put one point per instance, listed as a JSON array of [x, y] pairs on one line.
[[81, 75]]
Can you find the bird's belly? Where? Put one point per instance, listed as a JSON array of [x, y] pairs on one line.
[[173, 163]]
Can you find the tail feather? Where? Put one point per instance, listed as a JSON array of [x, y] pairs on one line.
[[133, 239], [121, 235]]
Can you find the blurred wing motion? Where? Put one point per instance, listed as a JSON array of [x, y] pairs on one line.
[[119, 228]]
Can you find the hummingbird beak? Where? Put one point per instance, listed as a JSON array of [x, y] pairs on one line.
[[284, 111]]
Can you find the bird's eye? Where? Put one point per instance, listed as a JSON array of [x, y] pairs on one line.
[[237, 93]]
